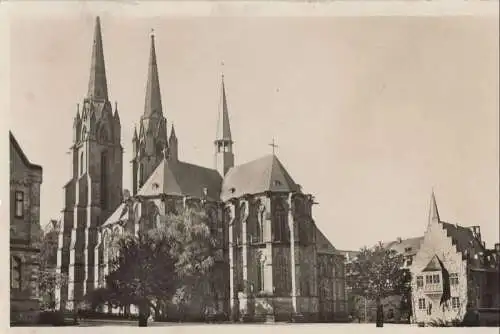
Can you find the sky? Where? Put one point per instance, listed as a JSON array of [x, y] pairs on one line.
[[369, 113]]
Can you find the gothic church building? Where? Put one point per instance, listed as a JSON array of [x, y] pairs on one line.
[[271, 256]]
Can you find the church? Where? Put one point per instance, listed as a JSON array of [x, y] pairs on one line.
[[272, 258]]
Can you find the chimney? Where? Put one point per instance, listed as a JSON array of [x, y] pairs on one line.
[[399, 240], [497, 247]]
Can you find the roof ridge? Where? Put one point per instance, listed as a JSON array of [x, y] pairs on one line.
[[19, 150]]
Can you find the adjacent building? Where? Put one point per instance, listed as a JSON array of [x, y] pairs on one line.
[[365, 310], [25, 182], [272, 258], [452, 270]]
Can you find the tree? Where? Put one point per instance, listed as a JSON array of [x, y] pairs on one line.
[[193, 248], [376, 273], [49, 280], [405, 290], [174, 259]]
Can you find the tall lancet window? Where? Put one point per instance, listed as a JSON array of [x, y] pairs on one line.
[[261, 209], [82, 163], [281, 230], [104, 180], [261, 262]]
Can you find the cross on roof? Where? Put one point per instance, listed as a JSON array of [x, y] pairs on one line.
[[273, 145]]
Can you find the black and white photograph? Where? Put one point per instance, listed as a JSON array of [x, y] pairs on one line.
[[252, 164]]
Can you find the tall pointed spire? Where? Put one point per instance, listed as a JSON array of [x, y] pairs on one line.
[[223, 127], [153, 95], [173, 136], [98, 87], [433, 210], [224, 156]]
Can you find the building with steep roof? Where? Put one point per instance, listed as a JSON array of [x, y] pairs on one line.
[[25, 182], [453, 269], [272, 258]]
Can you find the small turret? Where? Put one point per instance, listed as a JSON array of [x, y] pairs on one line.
[[173, 144]]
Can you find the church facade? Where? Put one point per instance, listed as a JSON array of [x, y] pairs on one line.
[[271, 257]]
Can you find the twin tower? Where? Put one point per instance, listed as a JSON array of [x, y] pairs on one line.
[[95, 189]]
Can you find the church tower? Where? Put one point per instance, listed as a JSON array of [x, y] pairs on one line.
[[224, 157], [151, 144], [95, 188]]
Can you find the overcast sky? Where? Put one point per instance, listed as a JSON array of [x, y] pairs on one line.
[[369, 113]]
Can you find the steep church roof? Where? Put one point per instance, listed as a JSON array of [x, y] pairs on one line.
[[180, 178], [257, 176], [324, 245], [120, 214]]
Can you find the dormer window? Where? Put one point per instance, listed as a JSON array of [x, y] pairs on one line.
[[232, 190], [408, 249], [277, 182], [155, 186]]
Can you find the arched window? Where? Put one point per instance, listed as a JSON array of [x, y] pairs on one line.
[[104, 180], [103, 134], [15, 273], [84, 133], [261, 209], [260, 273], [281, 231], [82, 163]]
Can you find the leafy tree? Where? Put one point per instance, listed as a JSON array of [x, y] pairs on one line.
[[376, 273], [172, 261], [49, 280], [405, 291]]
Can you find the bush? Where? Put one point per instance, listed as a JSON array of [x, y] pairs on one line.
[[89, 314], [444, 323], [56, 318]]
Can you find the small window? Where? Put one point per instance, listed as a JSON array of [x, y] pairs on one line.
[[421, 304], [420, 281], [277, 182], [15, 273], [409, 262], [435, 279], [455, 302], [19, 204], [408, 249], [454, 279], [428, 279]]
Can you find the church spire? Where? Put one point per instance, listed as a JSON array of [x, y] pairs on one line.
[[98, 87], [223, 127], [224, 157], [153, 95], [433, 210]]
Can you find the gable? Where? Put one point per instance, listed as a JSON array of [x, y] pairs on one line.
[[433, 265]]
